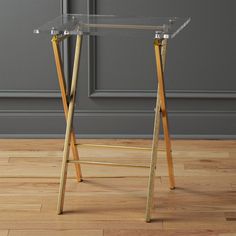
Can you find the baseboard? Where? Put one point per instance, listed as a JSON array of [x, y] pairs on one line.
[[116, 136], [183, 125]]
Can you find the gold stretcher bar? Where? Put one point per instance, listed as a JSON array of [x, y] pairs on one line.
[[107, 164], [115, 146]]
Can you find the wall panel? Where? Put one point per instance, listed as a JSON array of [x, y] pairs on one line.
[[117, 76]]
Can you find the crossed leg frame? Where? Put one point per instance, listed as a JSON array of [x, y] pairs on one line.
[[160, 46], [57, 56]]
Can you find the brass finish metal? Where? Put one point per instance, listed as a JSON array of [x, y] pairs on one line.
[[155, 140], [113, 146], [107, 164], [62, 85], [161, 55], [59, 38], [69, 126], [160, 52]]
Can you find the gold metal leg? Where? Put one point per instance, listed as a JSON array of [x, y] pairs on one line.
[[160, 52], [153, 159], [69, 126], [57, 56]]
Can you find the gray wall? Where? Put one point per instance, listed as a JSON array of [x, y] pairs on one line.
[[117, 77]]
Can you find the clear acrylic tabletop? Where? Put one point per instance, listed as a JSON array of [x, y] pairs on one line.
[[76, 24]]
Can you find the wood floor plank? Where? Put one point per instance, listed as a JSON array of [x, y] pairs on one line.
[[4, 232], [112, 200], [56, 232], [233, 186], [196, 220], [46, 224], [230, 216], [132, 232], [15, 207], [202, 183]]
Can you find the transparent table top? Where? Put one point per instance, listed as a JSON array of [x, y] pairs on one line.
[[75, 24]]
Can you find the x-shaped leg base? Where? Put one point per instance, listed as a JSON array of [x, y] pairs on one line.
[[160, 53], [62, 84], [160, 112]]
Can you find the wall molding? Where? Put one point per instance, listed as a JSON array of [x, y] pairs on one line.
[[113, 112], [33, 93], [122, 94], [94, 92], [117, 136], [202, 94], [93, 124], [30, 94], [100, 123]]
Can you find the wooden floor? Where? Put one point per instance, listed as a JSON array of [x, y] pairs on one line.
[[111, 201]]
